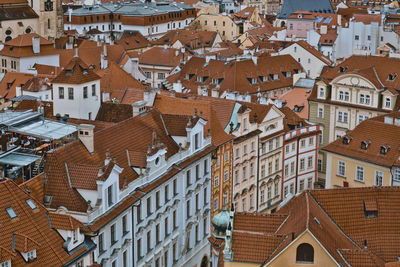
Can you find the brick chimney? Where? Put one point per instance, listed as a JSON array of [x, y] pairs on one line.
[[36, 45]]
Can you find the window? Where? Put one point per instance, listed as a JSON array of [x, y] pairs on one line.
[[269, 192], [276, 189], [85, 92], [302, 143], [112, 234], [138, 213], [291, 189], [244, 124], [161, 76], [346, 96], [244, 204], [378, 178], [158, 233], [216, 180], [262, 196], [252, 146], [285, 191], [174, 187], [287, 149], [110, 199], [286, 170], [360, 174], [157, 199], [188, 183], [320, 138], [369, 37], [48, 24], [320, 112], [345, 117], [124, 225], [367, 99], [31, 204], [387, 102], [340, 116], [217, 161], [305, 253], [341, 168], [226, 175], [319, 165], [251, 201], [174, 219], [148, 74], [227, 156], [166, 193], [166, 258], [311, 141], [101, 243], [205, 196], [356, 37], [215, 203], [292, 168], [269, 168], [139, 248], [148, 241], [251, 169], [309, 182], [396, 175], [244, 150], [215, 23], [205, 166], [310, 162], [61, 92], [270, 145], [262, 170], [302, 164], [188, 209], [361, 118], [196, 141], [148, 205], [276, 165], [71, 93], [93, 90], [362, 99], [341, 95], [301, 186], [321, 92], [244, 173]]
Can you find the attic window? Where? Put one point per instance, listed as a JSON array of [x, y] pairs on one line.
[[252, 80], [392, 76], [11, 212], [31, 204], [347, 139], [365, 144], [342, 69], [384, 149], [298, 108], [370, 208]]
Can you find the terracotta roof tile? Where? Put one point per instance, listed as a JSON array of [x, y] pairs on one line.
[[64, 221], [132, 40], [314, 52], [31, 230], [112, 112], [76, 72], [190, 39], [12, 80], [159, 56]]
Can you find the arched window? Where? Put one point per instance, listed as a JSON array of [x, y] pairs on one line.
[[305, 253]]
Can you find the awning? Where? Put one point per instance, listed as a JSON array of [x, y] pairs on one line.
[[18, 159]]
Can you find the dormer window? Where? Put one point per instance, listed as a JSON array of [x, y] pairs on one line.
[[110, 196], [392, 76], [365, 144], [274, 77], [342, 69], [347, 139], [321, 92], [75, 234], [197, 141], [252, 80], [384, 149], [387, 102], [31, 255], [264, 78], [5, 263]]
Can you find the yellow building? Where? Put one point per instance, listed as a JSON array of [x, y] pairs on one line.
[[221, 23], [316, 228], [366, 156]]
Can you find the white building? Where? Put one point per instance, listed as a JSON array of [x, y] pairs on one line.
[[309, 58], [76, 91], [299, 160]]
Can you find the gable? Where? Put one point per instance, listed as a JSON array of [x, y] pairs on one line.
[[272, 114], [288, 256], [353, 80]]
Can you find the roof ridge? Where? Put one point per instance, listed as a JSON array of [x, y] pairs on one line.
[[330, 218]]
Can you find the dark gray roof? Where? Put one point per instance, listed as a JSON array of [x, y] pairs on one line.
[[290, 6]]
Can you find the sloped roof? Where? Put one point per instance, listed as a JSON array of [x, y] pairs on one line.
[[76, 72], [314, 52], [190, 39], [112, 112], [31, 229], [12, 80], [318, 6], [160, 56], [131, 40], [36, 84]]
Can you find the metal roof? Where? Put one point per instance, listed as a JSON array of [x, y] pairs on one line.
[[305, 83], [18, 159], [318, 6], [33, 124]]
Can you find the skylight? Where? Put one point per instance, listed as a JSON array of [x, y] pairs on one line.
[[11, 212], [31, 204]]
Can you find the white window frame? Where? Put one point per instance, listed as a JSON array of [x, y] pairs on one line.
[[359, 170], [341, 168], [379, 178]]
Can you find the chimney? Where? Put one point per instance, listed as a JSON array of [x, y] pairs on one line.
[[70, 42], [324, 29], [86, 135], [339, 20], [36, 45], [176, 52], [139, 108], [103, 59], [254, 58]]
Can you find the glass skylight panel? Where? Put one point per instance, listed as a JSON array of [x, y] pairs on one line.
[[11, 212], [31, 204]]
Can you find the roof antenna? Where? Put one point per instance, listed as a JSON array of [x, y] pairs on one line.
[[76, 50]]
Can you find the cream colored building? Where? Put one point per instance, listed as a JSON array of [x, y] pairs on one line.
[[269, 7], [223, 24], [40, 16], [367, 156]]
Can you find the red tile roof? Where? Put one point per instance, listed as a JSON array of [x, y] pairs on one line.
[[190, 39], [160, 56], [76, 72], [132, 40], [314, 52], [10, 81], [31, 230]]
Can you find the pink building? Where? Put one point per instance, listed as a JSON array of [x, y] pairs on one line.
[[299, 23], [300, 160]]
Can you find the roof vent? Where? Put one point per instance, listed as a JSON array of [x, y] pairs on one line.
[[370, 208], [388, 120]]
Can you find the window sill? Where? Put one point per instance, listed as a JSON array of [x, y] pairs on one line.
[[358, 181], [113, 243], [305, 262], [125, 233], [343, 176], [101, 252]]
